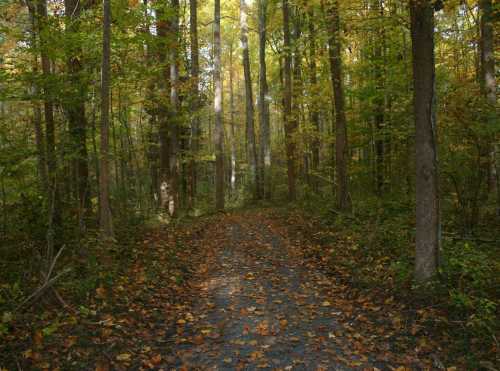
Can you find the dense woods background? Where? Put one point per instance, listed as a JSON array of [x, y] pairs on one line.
[[125, 114]]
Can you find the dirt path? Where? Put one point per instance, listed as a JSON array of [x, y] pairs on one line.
[[260, 308]]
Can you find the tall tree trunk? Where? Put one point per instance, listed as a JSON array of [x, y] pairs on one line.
[[174, 103], [249, 109], [232, 134], [37, 114], [195, 104], [105, 221], [265, 129], [379, 99], [162, 25], [76, 109], [297, 85], [219, 127], [290, 124], [53, 200], [488, 85], [314, 109], [341, 146], [427, 194]]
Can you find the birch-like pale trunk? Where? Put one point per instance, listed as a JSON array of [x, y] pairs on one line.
[[219, 126], [264, 115]]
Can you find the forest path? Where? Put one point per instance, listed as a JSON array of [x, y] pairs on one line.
[[260, 307]]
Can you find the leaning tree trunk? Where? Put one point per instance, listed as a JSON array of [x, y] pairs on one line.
[[341, 148], [105, 221], [265, 129], [250, 129], [219, 128], [290, 124], [427, 194], [53, 200]]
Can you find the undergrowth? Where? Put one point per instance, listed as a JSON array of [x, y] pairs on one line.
[[374, 246]]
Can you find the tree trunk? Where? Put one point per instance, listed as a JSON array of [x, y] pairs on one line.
[[314, 109], [341, 146], [219, 128], [250, 128], [232, 134], [297, 92], [290, 124], [53, 200], [265, 129], [105, 221], [427, 194], [174, 103], [379, 101], [37, 115], [76, 109], [195, 104], [488, 86], [163, 108]]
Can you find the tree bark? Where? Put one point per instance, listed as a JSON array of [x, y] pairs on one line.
[[37, 115], [162, 25], [427, 193], [195, 102], [290, 124], [314, 109], [174, 103], [488, 86], [76, 108], [341, 145], [105, 221], [219, 128], [232, 134], [265, 129], [249, 109], [379, 101]]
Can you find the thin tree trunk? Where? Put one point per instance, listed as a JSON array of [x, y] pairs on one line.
[[488, 85], [105, 221], [341, 146], [290, 124], [37, 115], [195, 104], [219, 126], [427, 193], [297, 85], [53, 200], [379, 101], [162, 26], [265, 129], [314, 109], [174, 103], [250, 128], [232, 134]]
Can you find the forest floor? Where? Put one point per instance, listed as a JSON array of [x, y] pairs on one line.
[[234, 291]]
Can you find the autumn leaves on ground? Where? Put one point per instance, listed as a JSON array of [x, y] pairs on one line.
[[233, 291]]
